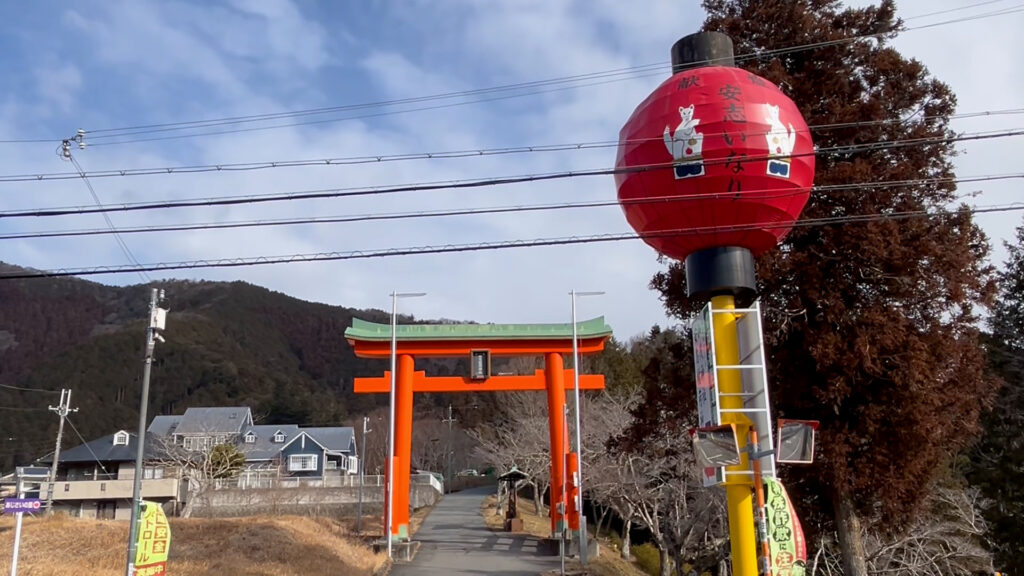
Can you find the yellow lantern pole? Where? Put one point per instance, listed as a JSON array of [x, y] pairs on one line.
[[738, 487]]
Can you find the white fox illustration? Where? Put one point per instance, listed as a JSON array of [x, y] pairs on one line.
[[685, 145], [780, 143]]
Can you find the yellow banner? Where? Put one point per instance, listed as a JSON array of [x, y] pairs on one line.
[[154, 541]]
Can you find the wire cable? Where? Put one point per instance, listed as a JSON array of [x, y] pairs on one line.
[[646, 69], [23, 389], [844, 150], [498, 245], [86, 444], [106, 217], [619, 72], [448, 154], [760, 194]]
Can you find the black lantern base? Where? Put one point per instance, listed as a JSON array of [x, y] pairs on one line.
[[722, 270]]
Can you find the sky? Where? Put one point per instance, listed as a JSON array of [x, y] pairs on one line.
[[98, 65]]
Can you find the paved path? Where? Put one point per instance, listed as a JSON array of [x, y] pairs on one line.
[[454, 541]]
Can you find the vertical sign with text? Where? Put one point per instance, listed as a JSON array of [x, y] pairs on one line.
[[707, 383]]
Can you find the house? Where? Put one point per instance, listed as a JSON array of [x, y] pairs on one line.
[[96, 479], [200, 429], [262, 446], [318, 451]]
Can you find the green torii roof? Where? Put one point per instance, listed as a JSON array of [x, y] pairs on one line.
[[363, 330]]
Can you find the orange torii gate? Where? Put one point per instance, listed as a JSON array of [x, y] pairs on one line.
[[479, 342]]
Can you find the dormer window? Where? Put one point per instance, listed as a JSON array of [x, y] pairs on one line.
[[250, 438], [121, 438], [278, 437]]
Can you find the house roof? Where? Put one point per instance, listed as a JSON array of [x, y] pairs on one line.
[[164, 425], [363, 330], [230, 420], [101, 449], [264, 448], [334, 439]]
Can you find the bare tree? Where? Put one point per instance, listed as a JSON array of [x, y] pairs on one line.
[[946, 541], [198, 469], [654, 485], [517, 435]]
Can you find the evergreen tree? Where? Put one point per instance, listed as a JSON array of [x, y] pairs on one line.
[[996, 465], [870, 327]]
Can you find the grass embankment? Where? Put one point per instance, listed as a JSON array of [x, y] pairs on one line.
[[608, 563], [259, 546]]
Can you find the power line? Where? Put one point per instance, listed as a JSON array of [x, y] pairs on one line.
[[958, 9], [618, 73], [438, 155], [497, 245], [22, 388], [16, 409], [485, 182], [759, 194], [66, 153], [639, 71], [87, 447]]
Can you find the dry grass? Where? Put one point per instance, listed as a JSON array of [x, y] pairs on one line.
[[609, 563], [260, 546]]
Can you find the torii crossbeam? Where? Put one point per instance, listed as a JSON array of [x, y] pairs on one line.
[[479, 342]]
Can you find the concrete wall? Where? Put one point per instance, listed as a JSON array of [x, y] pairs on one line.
[[302, 501]]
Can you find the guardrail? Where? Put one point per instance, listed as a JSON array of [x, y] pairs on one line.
[[255, 481]]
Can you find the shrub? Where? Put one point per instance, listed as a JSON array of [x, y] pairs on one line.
[[647, 558]]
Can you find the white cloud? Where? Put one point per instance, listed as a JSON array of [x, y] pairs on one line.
[[193, 60], [58, 85]]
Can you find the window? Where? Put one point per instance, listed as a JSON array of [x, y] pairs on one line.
[[331, 465], [250, 438], [196, 444], [302, 463], [153, 473], [121, 438], [278, 437]]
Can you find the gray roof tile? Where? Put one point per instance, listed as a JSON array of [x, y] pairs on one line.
[[265, 448], [230, 420]]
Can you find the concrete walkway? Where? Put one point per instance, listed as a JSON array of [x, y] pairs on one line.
[[454, 541]]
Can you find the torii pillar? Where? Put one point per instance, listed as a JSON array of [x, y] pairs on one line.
[[473, 341]]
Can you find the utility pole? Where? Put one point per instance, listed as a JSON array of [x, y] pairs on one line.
[[61, 410], [362, 470], [157, 321], [448, 449]]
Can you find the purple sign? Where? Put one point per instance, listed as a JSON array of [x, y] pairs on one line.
[[19, 505]]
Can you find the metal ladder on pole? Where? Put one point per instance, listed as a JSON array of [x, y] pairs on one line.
[[753, 373]]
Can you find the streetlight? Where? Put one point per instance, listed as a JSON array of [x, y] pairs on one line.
[[391, 408], [579, 446]]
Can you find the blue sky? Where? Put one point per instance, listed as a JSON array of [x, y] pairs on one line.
[[98, 65]]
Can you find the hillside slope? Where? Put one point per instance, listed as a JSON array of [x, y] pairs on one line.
[[227, 343]]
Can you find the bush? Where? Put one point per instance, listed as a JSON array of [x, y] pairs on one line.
[[647, 558]]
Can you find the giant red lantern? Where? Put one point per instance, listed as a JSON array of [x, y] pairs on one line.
[[714, 157]]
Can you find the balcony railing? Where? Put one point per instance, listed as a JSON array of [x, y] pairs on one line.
[[104, 489]]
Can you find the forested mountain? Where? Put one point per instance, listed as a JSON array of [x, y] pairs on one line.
[[227, 344]]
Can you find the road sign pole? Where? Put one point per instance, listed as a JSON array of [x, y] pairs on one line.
[[17, 531]]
